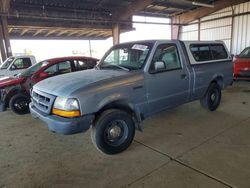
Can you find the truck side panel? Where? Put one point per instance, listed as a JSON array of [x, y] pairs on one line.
[[204, 74]]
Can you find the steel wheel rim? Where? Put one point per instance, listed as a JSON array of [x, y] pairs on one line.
[[21, 104], [116, 132], [214, 97]]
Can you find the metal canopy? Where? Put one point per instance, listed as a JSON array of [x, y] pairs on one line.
[[85, 19]]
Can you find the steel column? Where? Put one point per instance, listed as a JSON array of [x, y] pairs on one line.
[[116, 34], [2, 45], [6, 36], [175, 29]]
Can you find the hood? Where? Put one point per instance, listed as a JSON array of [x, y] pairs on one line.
[[6, 72], [3, 73], [8, 81], [64, 85]]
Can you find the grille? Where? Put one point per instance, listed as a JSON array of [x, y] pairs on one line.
[[42, 101]]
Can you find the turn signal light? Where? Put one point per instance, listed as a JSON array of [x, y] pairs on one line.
[[67, 114]]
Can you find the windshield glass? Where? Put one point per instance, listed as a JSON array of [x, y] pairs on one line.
[[127, 56], [7, 63], [245, 53], [28, 72]]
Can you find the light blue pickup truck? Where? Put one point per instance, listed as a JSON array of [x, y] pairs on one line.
[[132, 81]]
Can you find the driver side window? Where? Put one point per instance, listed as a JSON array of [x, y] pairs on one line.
[[51, 70], [21, 63], [168, 54], [59, 68]]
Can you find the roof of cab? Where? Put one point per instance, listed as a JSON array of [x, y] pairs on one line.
[[21, 56], [173, 40]]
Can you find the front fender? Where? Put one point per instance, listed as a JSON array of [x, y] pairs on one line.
[[120, 101], [111, 99], [9, 92]]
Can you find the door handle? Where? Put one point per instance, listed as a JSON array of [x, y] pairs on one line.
[[138, 87], [183, 76]]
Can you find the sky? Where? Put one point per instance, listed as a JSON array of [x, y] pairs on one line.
[[44, 49]]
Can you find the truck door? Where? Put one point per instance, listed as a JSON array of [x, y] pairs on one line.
[[167, 80], [19, 65]]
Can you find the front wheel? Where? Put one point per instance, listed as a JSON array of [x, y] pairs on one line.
[[19, 103], [212, 98], [113, 131]]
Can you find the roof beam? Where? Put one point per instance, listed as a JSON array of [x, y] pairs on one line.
[[62, 32], [73, 33], [204, 11], [81, 33], [50, 33], [38, 32], [24, 31], [135, 7]]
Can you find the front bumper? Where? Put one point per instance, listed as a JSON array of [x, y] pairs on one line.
[[63, 125], [2, 106]]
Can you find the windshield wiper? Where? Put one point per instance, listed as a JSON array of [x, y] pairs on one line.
[[117, 66]]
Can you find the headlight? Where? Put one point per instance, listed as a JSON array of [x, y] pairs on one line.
[[66, 104], [66, 107]]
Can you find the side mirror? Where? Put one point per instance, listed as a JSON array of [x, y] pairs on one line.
[[43, 75], [159, 66], [13, 67]]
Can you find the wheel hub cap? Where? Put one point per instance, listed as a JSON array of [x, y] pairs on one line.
[[213, 96], [21, 105], [115, 132]]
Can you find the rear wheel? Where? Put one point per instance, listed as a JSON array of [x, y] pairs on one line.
[[19, 103], [212, 98], [113, 131]]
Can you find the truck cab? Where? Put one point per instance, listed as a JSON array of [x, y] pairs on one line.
[[16, 64]]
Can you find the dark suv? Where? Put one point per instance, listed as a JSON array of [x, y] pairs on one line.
[[15, 91]]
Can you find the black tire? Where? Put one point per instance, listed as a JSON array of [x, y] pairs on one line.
[[212, 98], [103, 132], [19, 103]]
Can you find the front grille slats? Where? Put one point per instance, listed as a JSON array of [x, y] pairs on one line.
[[43, 101]]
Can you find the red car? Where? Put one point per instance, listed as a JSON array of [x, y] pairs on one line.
[[242, 65], [15, 91]]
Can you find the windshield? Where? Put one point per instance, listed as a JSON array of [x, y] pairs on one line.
[[7, 63], [28, 72], [127, 56], [245, 53]]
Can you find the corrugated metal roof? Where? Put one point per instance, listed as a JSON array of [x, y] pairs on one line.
[[81, 19]]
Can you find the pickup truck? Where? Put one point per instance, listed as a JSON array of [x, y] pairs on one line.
[[16, 64], [15, 91], [132, 82]]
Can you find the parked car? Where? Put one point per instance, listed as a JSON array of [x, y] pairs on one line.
[[16, 64], [133, 81], [242, 65], [15, 91]]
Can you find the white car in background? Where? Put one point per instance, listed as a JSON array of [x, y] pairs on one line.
[[16, 64]]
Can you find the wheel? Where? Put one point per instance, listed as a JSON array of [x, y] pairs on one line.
[[212, 98], [113, 131], [19, 103]]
